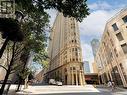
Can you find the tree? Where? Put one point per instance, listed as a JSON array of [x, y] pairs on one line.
[[72, 8], [36, 21], [10, 30]]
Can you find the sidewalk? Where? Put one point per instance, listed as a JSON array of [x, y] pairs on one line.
[[104, 86]]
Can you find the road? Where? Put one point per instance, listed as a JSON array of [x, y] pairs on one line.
[[68, 90]]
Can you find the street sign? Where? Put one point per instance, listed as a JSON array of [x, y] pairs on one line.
[[7, 8]]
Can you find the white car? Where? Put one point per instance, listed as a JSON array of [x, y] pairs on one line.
[[59, 83], [52, 82]]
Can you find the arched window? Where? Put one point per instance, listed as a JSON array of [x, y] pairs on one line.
[[65, 69], [74, 68]]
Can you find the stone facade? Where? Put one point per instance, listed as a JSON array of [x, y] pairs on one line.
[[111, 56], [65, 52]]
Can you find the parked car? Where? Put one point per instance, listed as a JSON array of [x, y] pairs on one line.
[[59, 83], [52, 82]]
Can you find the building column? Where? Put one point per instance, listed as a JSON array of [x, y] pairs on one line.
[[76, 78], [122, 76], [83, 78], [72, 78], [69, 79], [80, 78]]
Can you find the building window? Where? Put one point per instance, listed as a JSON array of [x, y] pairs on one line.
[[124, 73], [124, 48], [65, 69], [125, 19], [71, 68], [75, 41], [111, 42], [76, 54], [108, 33], [116, 76], [75, 33], [119, 36], [115, 27], [74, 68], [76, 49], [116, 52]]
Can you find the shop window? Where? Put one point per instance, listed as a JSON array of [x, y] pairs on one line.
[[124, 73]]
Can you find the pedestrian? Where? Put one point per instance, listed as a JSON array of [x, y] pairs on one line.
[[109, 84], [113, 85]]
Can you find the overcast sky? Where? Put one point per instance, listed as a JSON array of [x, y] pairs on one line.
[[93, 26]]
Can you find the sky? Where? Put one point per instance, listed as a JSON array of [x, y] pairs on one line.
[[93, 26]]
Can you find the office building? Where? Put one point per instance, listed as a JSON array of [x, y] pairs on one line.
[[111, 56], [86, 67], [65, 63]]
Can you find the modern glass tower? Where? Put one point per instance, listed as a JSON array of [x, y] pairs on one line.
[[65, 52], [95, 45], [87, 67]]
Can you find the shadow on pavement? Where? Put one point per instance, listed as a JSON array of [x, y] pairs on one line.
[[81, 93]]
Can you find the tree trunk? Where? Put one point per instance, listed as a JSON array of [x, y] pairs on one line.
[[19, 84], [8, 71], [20, 79], [3, 47]]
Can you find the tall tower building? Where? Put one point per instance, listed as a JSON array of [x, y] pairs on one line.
[[95, 45], [87, 67], [65, 52]]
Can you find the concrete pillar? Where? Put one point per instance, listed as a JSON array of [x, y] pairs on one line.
[[72, 77], [69, 78], [122, 76], [80, 78], [83, 78], [76, 78]]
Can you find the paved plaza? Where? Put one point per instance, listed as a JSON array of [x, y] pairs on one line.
[[67, 90]]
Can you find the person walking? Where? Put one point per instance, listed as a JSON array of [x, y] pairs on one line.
[[113, 85], [109, 84]]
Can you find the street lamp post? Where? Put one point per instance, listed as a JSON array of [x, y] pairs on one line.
[[6, 11], [18, 17]]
